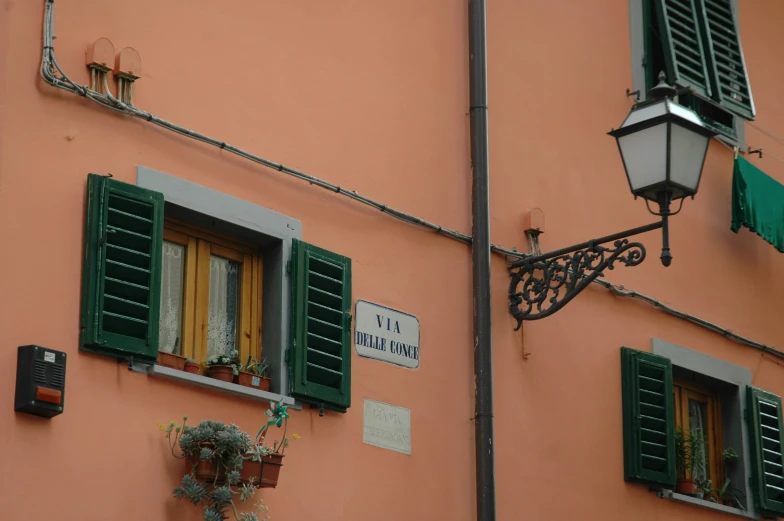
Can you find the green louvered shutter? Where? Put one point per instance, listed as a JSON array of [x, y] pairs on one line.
[[320, 352], [725, 58], [121, 279], [765, 426], [648, 418], [684, 54]]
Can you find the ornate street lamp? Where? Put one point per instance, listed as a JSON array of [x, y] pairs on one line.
[[663, 147]]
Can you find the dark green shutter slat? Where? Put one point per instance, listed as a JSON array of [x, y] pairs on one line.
[[648, 419], [320, 352], [121, 278], [724, 52], [684, 54], [764, 417]]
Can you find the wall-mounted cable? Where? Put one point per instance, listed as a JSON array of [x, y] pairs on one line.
[[54, 75]]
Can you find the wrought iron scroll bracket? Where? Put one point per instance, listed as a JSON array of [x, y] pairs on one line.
[[543, 284]]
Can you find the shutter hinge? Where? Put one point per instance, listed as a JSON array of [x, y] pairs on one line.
[[286, 355], [288, 266], [348, 320], [129, 360]]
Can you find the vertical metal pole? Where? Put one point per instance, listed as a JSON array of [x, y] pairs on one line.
[[483, 375], [664, 210]]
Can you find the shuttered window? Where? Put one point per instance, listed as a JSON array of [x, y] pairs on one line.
[[765, 425], [648, 419], [320, 352], [679, 25], [729, 68], [701, 47], [121, 270]]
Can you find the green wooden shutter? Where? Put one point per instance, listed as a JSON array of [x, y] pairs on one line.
[[684, 54], [320, 353], [765, 426], [725, 58], [648, 418], [121, 279]]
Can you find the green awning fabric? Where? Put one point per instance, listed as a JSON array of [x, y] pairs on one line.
[[757, 203]]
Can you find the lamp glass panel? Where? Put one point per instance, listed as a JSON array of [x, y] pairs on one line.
[[687, 153], [645, 156], [643, 114]]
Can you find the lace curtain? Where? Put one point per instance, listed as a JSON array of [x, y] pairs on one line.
[[171, 298], [697, 425], [223, 306]]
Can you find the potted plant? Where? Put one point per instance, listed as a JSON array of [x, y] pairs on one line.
[[192, 366], [703, 488], [224, 366], [172, 359], [255, 374], [271, 458], [215, 455], [687, 443], [729, 496]]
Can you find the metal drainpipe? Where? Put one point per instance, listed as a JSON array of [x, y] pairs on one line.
[[483, 375]]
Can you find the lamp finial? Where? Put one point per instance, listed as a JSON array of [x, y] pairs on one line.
[[662, 90]]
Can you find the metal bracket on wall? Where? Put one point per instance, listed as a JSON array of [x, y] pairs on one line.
[[129, 360], [635, 93], [543, 284]]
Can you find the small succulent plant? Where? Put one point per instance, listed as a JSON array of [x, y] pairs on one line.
[[231, 358], [227, 447], [253, 366]]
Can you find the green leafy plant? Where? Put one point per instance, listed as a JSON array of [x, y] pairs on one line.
[[190, 361], [687, 444], [727, 493], [231, 359], [226, 447], [729, 454], [253, 366], [703, 487]]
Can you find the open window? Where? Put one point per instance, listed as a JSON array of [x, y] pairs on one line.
[[697, 44], [175, 267], [674, 391]]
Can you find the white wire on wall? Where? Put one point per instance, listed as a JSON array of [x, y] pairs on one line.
[[53, 74]]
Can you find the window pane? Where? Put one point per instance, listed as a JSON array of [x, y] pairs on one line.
[[171, 298], [698, 423], [223, 307]]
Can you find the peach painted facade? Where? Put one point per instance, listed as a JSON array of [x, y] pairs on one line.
[[372, 96]]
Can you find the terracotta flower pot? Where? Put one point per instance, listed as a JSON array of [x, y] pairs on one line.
[[270, 470], [221, 372], [728, 502], [171, 360], [207, 470], [685, 486], [251, 380], [251, 469], [192, 367]]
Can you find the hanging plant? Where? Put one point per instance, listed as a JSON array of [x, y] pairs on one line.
[[215, 454]]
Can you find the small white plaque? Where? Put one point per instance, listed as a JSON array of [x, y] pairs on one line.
[[386, 334], [49, 357], [255, 381], [387, 426]]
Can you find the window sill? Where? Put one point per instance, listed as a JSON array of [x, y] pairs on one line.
[[218, 385], [682, 498]]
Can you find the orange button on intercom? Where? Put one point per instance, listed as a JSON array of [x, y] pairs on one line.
[[44, 394]]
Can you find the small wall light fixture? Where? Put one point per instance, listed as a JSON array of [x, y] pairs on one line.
[[663, 147]]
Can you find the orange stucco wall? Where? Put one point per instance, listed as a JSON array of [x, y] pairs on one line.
[[371, 96]]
